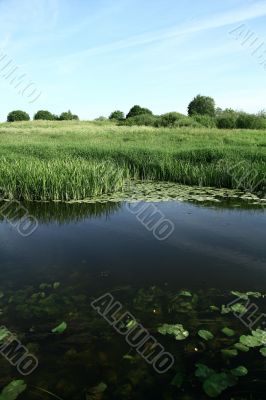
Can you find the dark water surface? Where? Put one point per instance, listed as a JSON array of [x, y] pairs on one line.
[[79, 252]]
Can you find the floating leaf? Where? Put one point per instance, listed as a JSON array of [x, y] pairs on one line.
[[260, 335], [238, 308], [60, 328], [178, 380], [241, 347], [217, 383], [185, 293], [203, 371], [228, 332], [249, 341], [257, 295], [56, 285], [263, 351], [239, 371], [229, 352], [13, 390], [176, 330], [240, 295], [131, 324], [4, 333], [206, 335]]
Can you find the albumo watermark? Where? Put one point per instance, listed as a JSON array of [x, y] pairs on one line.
[[11, 73], [18, 217], [135, 334], [15, 353]]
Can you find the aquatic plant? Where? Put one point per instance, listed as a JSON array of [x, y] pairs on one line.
[[51, 160]]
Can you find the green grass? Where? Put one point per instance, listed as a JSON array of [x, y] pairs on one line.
[[73, 160]]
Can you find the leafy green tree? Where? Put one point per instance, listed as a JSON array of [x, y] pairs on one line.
[[117, 115], [18, 115], [202, 105], [44, 115], [137, 110], [67, 116]]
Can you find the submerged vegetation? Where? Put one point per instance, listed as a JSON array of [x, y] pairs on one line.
[[72, 160], [82, 357]]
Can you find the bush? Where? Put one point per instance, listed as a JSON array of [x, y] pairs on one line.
[[117, 115], [18, 115], [187, 122], [67, 116], [202, 105], [137, 110], [169, 119], [45, 115], [141, 120], [205, 120], [101, 118], [250, 121], [226, 121]]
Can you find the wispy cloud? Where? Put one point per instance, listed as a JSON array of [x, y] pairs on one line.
[[234, 16]]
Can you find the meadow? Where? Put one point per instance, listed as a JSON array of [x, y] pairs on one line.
[[74, 160]]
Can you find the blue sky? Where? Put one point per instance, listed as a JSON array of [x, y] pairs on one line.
[[95, 56]]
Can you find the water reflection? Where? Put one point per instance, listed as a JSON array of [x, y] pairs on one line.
[[56, 212]]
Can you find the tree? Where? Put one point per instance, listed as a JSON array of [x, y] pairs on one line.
[[137, 110], [18, 115], [202, 105], [67, 116], [44, 115], [117, 115]]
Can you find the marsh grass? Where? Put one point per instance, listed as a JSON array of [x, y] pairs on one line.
[[75, 160]]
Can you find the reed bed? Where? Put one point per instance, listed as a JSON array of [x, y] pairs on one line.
[[75, 160]]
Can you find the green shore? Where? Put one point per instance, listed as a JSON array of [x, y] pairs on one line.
[[74, 160]]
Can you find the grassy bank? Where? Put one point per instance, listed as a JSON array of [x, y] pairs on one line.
[[74, 160]]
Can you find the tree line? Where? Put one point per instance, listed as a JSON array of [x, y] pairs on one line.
[[202, 112]]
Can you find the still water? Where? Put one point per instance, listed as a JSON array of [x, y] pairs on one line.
[[81, 252]]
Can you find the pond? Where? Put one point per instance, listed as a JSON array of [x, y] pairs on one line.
[[196, 284]]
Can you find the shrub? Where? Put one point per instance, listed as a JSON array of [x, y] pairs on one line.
[[101, 118], [169, 119], [187, 122], [18, 115], [226, 121], [117, 115], [137, 110], [202, 105], [250, 121], [141, 120], [67, 116], [205, 120], [45, 115]]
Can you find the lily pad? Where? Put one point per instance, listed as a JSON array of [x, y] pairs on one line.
[[240, 295], [239, 371], [217, 383], [229, 352], [228, 332], [263, 351], [177, 330], [185, 293], [260, 335], [13, 390], [241, 347], [238, 308], [4, 333], [60, 328], [206, 335], [203, 371], [249, 341]]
